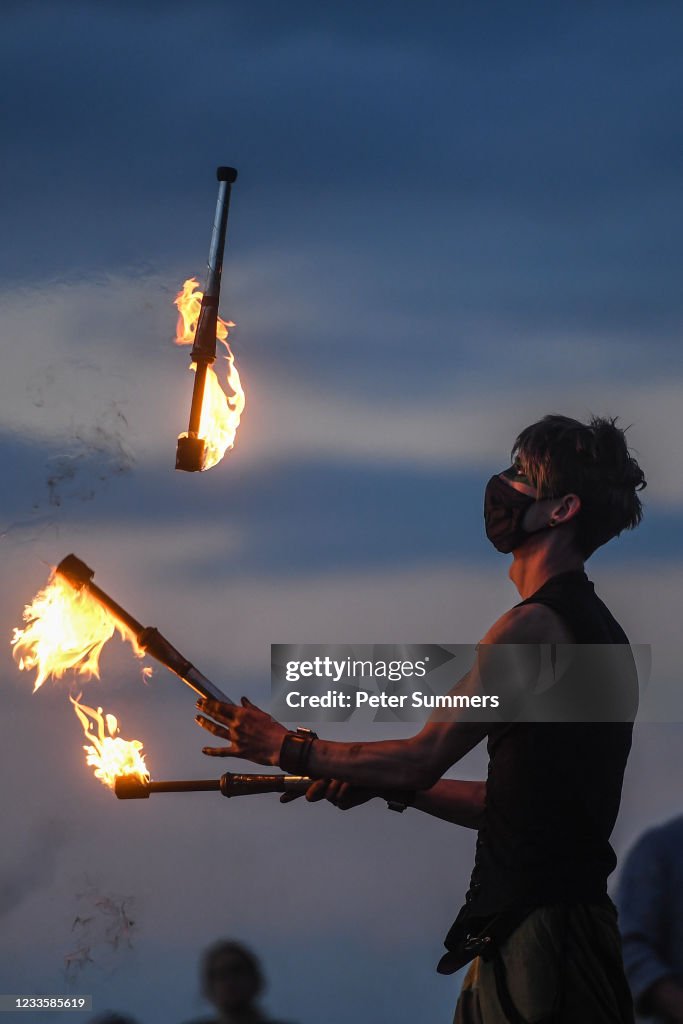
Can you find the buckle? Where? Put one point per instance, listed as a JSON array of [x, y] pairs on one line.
[[477, 944]]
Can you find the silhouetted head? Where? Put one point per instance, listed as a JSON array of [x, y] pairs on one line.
[[579, 477], [111, 1017], [232, 978]]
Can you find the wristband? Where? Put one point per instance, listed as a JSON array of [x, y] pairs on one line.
[[399, 799], [296, 750]]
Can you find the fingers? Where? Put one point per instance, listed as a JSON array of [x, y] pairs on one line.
[[219, 709], [321, 789], [217, 730], [317, 791], [333, 789], [341, 794], [225, 713], [326, 789], [345, 799]]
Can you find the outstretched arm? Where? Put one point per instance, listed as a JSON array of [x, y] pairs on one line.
[[454, 800], [415, 763]]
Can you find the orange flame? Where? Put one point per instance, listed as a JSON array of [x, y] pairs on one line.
[[221, 410], [65, 629], [109, 754]]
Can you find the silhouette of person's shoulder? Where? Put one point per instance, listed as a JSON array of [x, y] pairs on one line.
[[212, 1020]]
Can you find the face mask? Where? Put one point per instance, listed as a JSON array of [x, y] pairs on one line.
[[504, 509]]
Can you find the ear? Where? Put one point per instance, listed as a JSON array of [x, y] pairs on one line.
[[565, 510]]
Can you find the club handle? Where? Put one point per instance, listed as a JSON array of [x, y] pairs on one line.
[[226, 176], [233, 784], [204, 344], [131, 787]]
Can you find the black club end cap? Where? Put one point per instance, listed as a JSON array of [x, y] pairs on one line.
[[189, 454], [75, 571], [129, 787], [228, 174]]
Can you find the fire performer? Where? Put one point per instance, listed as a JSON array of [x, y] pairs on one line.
[[537, 922]]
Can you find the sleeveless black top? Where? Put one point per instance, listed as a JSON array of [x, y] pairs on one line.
[[553, 787]]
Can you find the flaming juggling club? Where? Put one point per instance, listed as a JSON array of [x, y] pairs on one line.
[[190, 450], [131, 787], [147, 638]]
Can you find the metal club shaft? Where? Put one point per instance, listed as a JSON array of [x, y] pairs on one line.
[[148, 638], [226, 177]]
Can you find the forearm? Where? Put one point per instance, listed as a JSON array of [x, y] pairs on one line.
[[462, 803], [380, 765], [414, 763]]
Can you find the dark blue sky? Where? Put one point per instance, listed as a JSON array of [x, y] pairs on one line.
[[519, 165]]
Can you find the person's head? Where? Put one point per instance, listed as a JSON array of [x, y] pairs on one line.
[[232, 979], [111, 1017], [576, 479]]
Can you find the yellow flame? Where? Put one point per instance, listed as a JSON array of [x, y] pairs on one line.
[[109, 754], [221, 410], [65, 629]]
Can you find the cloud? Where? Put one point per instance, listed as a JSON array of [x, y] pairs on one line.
[[323, 473], [224, 620], [103, 348], [458, 163]]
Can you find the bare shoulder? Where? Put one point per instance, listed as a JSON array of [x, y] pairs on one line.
[[529, 624]]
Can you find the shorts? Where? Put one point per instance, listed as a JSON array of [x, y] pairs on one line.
[[561, 965]]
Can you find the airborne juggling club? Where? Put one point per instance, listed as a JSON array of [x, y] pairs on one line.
[[191, 447]]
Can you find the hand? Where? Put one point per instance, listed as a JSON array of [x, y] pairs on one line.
[[252, 733], [341, 794]]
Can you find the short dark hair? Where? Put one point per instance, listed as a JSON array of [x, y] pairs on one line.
[[562, 456], [228, 947]]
